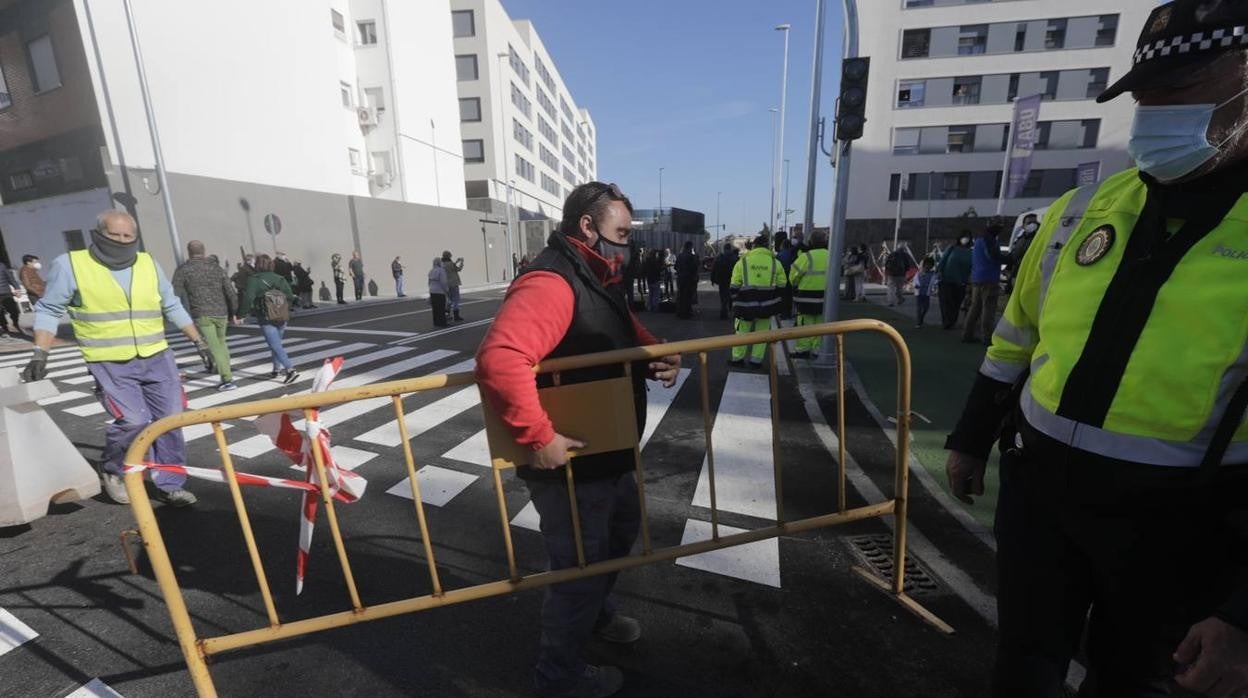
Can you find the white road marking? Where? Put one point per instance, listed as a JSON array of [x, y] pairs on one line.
[[425, 418], [63, 397], [13, 632], [658, 400], [757, 562], [437, 485], [528, 518], [744, 474], [346, 457], [95, 688], [475, 449], [183, 357]]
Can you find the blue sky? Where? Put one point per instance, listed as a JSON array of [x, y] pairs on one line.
[[686, 85]]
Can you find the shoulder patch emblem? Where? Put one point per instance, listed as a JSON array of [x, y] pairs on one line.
[[1096, 246]]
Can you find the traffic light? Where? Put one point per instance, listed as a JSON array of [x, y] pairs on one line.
[[852, 107]]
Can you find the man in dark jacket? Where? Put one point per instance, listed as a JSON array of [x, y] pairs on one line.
[[686, 281], [211, 300], [986, 261], [954, 269], [570, 301], [721, 276], [283, 268]]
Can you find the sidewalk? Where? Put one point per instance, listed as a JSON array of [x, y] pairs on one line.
[[943, 371]]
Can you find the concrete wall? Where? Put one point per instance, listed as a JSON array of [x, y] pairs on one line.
[[37, 227]]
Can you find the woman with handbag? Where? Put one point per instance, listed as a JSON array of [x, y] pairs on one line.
[[437, 292], [269, 297]]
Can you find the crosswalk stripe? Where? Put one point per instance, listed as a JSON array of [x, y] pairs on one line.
[[250, 361], [475, 449], [429, 416], [528, 518], [744, 477], [437, 485], [757, 562], [260, 444], [94, 688], [63, 397], [345, 457], [183, 358], [13, 632], [59, 356]]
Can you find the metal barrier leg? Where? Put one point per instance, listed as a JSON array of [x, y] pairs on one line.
[[710, 451], [505, 519], [775, 434], [416, 498], [576, 517], [840, 423], [310, 416], [245, 522], [641, 483]]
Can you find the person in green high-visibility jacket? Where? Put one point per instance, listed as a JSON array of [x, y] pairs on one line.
[[1117, 382], [757, 279], [809, 277]]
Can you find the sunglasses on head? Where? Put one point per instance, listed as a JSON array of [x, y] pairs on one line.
[[612, 188]]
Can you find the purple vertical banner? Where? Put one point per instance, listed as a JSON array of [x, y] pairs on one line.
[[1026, 130], [1087, 173]]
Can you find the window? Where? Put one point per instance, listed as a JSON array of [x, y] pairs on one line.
[[1044, 129], [973, 40], [549, 159], [380, 163], [474, 150], [966, 90], [567, 111], [1048, 183], [1012, 92], [547, 105], [463, 24], [1098, 80], [368, 32], [568, 154], [916, 43], [566, 131], [547, 131], [376, 98], [910, 93], [1106, 30], [954, 185], [1020, 37], [466, 67], [517, 65], [520, 101], [22, 180], [1091, 132], [46, 74], [340, 24], [961, 139], [353, 156], [524, 168], [549, 184], [344, 90], [523, 135], [1055, 34], [1049, 78], [470, 109], [544, 75], [919, 3], [6, 100], [569, 176], [71, 169], [74, 240]]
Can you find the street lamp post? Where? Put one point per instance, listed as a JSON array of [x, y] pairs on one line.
[[786, 195], [812, 145], [784, 93], [775, 168], [502, 128], [718, 230]]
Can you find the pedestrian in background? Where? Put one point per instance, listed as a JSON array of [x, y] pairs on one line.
[[7, 300], [283, 268], [30, 278], [809, 278], [855, 268], [721, 276], [897, 265], [686, 281], [452, 267], [356, 267], [396, 268], [669, 262], [757, 280], [955, 273], [653, 271], [242, 274], [268, 297], [786, 253], [923, 284], [437, 292], [986, 261], [340, 278], [303, 285], [207, 294]]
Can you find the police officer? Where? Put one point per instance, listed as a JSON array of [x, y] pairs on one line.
[[118, 300], [1124, 484], [809, 277], [757, 282]]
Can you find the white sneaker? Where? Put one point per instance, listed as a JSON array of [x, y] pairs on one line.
[[115, 488]]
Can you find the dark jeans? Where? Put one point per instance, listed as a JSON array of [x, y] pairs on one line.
[[655, 297], [922, 305], [359, 287], [610, 517], [951, 297], [725, 301], [1146, 548], [9, 304], [685, 288], [437, 301], [338, 287], [983, 312]]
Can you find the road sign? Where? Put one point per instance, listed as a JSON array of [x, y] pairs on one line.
[[273, 224]]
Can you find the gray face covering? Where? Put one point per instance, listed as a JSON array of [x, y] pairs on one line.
[[609, 250], [112, 254]]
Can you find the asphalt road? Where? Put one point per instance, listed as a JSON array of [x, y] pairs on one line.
[[776, 618]]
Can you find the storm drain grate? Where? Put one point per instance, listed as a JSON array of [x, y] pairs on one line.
[[876, 553]]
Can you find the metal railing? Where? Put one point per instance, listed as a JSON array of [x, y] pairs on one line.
[[504, 453]]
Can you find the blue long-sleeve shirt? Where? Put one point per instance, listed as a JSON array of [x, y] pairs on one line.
[[986, 261], [61, 287]]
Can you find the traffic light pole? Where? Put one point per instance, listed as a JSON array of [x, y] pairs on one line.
[[836, 235]]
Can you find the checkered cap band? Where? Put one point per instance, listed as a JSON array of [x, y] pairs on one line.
[[1211, 40]]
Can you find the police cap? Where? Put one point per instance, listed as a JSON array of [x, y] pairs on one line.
[[1179, 37]]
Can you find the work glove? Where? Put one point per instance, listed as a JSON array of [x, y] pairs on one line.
[[37, 369], [204, 355]]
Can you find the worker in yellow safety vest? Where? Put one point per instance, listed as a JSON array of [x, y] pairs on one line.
[[1117, 385], [757, 279], [809, 278], [118, 300]]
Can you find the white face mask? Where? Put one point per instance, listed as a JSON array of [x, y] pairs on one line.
[[964, 241], [1031, 227], [37, 265], [1172, 141]]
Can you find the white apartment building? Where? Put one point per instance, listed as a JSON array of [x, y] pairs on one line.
[[944, 75], [518, 121]]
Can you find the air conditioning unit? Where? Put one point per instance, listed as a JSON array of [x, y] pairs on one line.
[[367, 116]]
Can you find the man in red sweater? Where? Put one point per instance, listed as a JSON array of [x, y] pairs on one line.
[[570, 300]]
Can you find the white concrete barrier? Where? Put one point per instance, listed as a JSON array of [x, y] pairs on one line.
[[38, 463]]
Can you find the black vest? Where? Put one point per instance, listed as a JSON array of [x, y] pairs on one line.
[[600, 322]]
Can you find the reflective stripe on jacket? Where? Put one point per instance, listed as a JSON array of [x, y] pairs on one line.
[[109, 326], [756, 282], [809, 278]]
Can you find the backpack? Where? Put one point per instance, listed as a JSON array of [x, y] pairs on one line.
[[275, 304]]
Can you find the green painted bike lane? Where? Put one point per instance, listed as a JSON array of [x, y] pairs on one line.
[[943, 371]]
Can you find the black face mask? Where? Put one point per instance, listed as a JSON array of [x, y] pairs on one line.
[[112, 254], [610, 250]]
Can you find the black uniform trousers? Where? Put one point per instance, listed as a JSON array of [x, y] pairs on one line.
[[1136, 553], [951, 297]]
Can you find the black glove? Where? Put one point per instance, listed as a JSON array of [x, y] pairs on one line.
[[204, 355], [37, 369]]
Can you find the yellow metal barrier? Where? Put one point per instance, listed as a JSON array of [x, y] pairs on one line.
[[602, 435]]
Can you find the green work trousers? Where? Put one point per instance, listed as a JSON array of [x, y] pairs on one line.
[[810, 344], [755, 351], [213, 331]]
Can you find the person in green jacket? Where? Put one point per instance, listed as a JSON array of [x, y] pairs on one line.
[[954, 270], [260, 283]]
